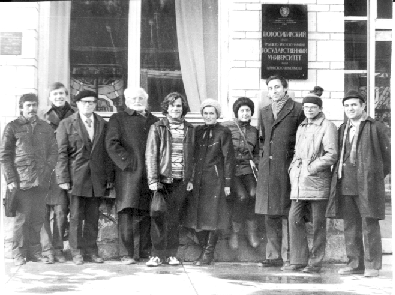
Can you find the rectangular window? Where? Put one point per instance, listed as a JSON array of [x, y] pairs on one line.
[[355, 45], [384, 9]]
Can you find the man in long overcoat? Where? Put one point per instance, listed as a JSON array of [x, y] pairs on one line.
[[85, 170], [279, 122], [57, 200], [126, 143], [357, 188]]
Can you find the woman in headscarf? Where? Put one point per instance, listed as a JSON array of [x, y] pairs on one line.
[[207, 209]]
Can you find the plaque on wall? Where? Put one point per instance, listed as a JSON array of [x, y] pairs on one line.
[[284, 41], [10, 43]]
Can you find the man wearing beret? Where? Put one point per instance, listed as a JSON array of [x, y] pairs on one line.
[[310, 175], [357, 188], [85, 170]]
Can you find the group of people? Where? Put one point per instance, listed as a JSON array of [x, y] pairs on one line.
[[208, 176]]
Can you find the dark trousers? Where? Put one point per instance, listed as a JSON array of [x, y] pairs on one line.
[[133, 232], [165, 228], [244, 190], [363, 252], [84, 223], [277, 234], [30, 209], [52, 234], [302, 211]]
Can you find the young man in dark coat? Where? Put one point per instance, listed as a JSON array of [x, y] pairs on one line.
[[85, 170], [56, 200], [357, 188], [279, 122], [126, 143], [28, 154]]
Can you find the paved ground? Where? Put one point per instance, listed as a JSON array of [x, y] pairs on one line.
[[222, 278]]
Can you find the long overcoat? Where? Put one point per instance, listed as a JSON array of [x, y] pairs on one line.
[[279, 136], [126, 142], [373, 162], [82, 163], [207, 207], [56, 195]]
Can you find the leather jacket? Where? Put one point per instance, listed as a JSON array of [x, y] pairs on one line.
[[28, 154], [158, 152]]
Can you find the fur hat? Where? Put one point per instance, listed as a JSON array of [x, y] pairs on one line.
[[312, 98], [354, 94], [210, 102], [243, 101]]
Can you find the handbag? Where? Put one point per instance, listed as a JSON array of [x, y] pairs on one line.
[[10, 202], [158, 204], [252, 164]]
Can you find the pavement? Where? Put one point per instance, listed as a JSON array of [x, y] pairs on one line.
[[221, 278]]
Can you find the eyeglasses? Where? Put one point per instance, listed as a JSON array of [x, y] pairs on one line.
[[90, 102], [310, 108]]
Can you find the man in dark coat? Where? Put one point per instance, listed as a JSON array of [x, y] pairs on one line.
[[279, 122], [28, 154], [56, 201], [85, 170], [126, 142], [357, 188]]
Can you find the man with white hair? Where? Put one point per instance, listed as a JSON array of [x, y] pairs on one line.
[[126, 140]]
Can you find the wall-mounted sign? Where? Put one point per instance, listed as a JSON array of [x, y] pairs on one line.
[[284, 41], [10, 43]]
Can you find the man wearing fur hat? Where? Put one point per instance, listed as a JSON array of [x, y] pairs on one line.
[[357, 189], [310, 176], [278, 122]]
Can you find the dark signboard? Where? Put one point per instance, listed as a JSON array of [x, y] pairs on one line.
[[284, 41], [11, 43]]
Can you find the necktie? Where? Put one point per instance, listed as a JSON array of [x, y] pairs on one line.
[[89, 122]]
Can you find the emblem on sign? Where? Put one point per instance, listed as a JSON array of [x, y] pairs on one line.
[[284, 11]]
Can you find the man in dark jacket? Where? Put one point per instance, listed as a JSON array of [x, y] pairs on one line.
[[126, 142], [57, 200], [357, 188], [28, 154], [85, 170], [279, 122]]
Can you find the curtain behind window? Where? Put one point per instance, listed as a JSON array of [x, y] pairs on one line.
[[197, 32]]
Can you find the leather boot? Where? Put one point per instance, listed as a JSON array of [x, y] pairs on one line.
[[208, 255], [251, 233], [234, 237], [202, 238]]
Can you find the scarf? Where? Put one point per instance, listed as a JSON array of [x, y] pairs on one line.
[[61, 111], [278, 105], [353, 152]]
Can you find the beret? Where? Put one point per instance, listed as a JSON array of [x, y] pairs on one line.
[[85, 93]]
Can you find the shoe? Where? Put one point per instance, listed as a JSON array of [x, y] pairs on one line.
[[271, 262], [349, 271], [208, 253], [39, 258], [78, 259], [19, 260], [153, 261], [252, 237], [234, 237], [370, 273], [127, 260], [59, 257], [173, 261], [312, 269], [51, 259], [293, 267], [96, 259]]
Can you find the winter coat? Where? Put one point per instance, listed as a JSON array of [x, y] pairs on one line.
[[279, 136], [28, 154], [207, 207], [315, 153], [241, 147], [56, 195], [126, 142], [158, 152], [83, 163], [373, 161]]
